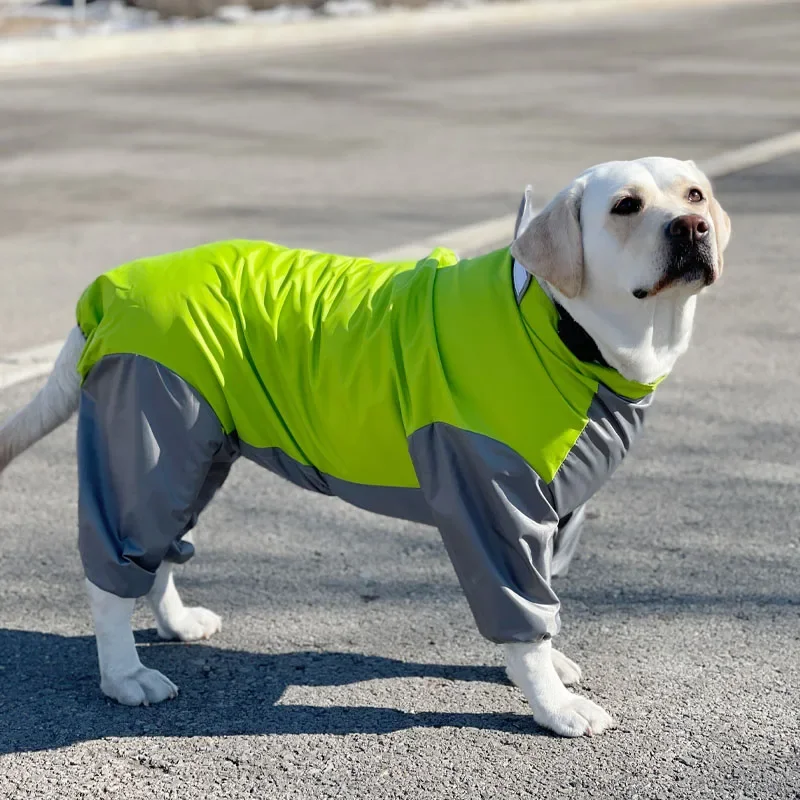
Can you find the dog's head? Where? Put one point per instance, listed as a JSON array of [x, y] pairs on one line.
[[630, 228]]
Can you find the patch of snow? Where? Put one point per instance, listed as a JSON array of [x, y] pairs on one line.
[[107, 17], [446, 5], [348, 8], [234, 13], [281, 14]]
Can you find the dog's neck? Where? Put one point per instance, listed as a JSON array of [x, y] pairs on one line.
[[641, 339]]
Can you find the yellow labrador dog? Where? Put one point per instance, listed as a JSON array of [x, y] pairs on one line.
[[491, 397]]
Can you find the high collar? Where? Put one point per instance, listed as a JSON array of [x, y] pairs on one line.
[[580, 344], [551, 324]]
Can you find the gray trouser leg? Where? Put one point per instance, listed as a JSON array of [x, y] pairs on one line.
[[151, 454], [566, 541]]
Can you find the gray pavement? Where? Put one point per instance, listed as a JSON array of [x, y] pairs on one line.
[[348, 665]]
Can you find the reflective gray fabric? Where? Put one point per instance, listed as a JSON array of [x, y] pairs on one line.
[[390, 501], [566, 541], [613, 423], [506, 531], [497, 520], [151, 454], [275, 460]]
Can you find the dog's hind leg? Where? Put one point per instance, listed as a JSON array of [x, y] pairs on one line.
[[174, 620], [151, 453], [122, 676]]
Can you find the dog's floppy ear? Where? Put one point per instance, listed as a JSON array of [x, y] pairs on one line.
[[722, 226], [549, 244]]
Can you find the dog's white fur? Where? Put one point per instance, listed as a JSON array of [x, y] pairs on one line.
[[52, 405], [591, 262]]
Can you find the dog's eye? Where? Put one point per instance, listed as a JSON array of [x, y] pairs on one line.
[[695, 196], [626, 206]]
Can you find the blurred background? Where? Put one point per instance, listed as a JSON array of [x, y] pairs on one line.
[[64, 18], [348, 662]]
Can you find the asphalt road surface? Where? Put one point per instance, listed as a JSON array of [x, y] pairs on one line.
[[348, 665]]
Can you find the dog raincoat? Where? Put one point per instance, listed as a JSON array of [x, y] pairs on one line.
[[438, 391]]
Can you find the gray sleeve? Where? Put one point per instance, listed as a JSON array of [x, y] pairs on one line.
[[498, 523], [566, 540], [148, 459]]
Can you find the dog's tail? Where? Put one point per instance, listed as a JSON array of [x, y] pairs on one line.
[[52, 406]]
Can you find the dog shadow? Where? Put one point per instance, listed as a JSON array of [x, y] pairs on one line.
[[51, 698]]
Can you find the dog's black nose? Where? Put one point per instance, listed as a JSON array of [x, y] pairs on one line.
[[688, 229]]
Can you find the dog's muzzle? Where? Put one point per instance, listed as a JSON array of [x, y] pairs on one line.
[[690, 257]]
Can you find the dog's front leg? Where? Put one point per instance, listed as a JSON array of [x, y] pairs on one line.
[[566, 668], [530, 666], [122, 675]]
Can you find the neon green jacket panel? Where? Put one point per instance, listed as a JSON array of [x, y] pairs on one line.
[[292, 349], [507, 371], [337, 361]]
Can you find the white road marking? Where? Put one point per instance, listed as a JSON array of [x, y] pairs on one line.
[[27, 364], [35, 362], [725, 67], [753, 155], [466, 239]]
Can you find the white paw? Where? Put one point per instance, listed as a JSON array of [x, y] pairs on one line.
[[567, 669], [573, 716], [190, 625], [141, 688], [532, 667]]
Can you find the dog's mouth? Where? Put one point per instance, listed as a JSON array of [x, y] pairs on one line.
[[686, 269]]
